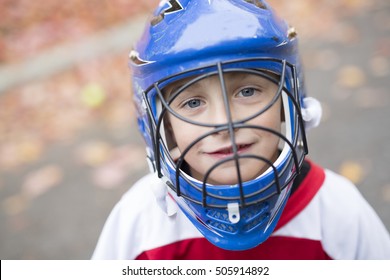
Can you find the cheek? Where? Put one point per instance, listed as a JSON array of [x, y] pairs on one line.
[[271, 119], [183, 133]]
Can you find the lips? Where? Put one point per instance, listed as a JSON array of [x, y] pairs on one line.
[[229, 150]]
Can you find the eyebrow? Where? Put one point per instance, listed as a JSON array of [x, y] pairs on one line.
[[181, 84]]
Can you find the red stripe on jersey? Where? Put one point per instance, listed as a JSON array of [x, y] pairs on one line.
[[275, 248], [303, 195]]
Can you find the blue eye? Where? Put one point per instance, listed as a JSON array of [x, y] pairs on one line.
[[247, 92], [193, 103]]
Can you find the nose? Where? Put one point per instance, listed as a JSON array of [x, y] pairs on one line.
[[221, 118], [220, 115]]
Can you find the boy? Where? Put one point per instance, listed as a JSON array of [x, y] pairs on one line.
[[219, 92]]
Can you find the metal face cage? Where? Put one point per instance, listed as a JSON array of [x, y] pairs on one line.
[[245, 194]]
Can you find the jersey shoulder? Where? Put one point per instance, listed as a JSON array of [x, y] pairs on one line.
[[342, 220], [144, 218]]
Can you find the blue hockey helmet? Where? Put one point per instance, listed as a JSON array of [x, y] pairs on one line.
[[191, 40]]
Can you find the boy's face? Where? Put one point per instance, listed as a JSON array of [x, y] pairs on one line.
[[203, 102]]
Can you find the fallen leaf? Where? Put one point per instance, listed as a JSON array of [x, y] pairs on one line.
[[93, 95], [354, 4], [30, 151], [119, 113], [15, 204], [42, 180], [124, 160], [130, 156], [352, 170], [9, 156], [351, 76], [109, 176], [94, 152]]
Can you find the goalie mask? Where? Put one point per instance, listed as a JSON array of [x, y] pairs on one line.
[[213, 73]]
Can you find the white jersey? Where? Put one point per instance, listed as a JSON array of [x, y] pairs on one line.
[[325, 218]]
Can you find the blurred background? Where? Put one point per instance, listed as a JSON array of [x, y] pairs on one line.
[[69, 146]]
